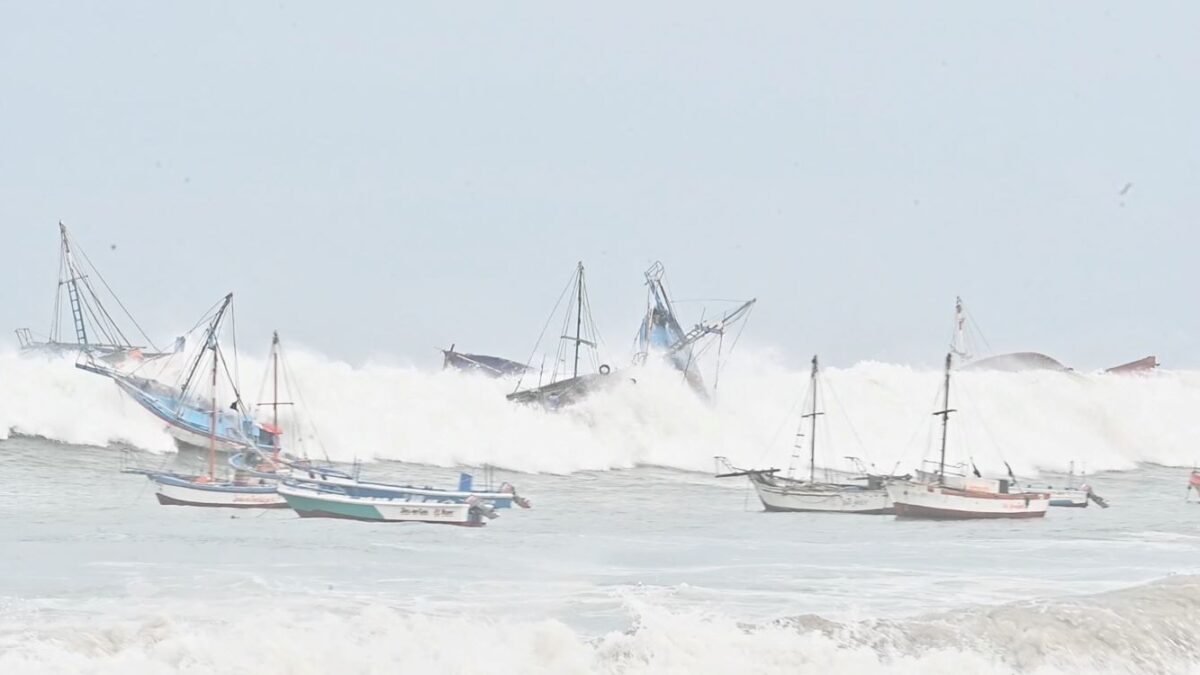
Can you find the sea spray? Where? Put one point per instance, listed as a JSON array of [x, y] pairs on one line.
[[1038, 420]]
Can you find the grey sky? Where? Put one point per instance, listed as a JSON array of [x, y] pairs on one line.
[[385, 178]]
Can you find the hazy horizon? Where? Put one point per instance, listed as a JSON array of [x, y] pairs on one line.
[[387, 180]]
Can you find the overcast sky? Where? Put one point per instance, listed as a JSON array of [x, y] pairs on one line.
[[382, 178]]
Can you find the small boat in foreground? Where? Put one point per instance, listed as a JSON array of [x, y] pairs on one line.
[[304, 472], [330, 501], [177, 489], [943, 496]]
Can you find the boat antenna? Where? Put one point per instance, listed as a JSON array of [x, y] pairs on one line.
[[958, 345], [812, 434], [945, 414]]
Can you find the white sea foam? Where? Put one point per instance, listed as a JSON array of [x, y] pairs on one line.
[[1034, 420], [1148, 629]]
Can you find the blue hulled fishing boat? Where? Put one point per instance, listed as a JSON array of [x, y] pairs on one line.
[[193, 421], [662, 334]]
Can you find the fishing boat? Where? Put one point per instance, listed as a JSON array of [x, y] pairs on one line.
[[492, 366], [304, 472], [661, 333], [861, 494], [1075, 493], [331, 501], [279, 465], [561, 390], [190, 420], [97, 332], [242, 490], [944, 495], [182, 489]]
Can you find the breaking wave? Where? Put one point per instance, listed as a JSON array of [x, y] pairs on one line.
[[1148, 629], [1038, 420]]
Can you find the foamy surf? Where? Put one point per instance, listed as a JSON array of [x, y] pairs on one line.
[[1035, 420], [1147, 629]]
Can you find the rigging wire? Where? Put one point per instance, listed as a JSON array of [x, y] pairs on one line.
[[542, 335]]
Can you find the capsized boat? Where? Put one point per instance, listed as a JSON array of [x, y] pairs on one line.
[[492, 366], [193, 421], [331, 501], [1145, 364], [863, 493], [97, 332], [954, 496], [661, 333], [963, 347], [562, 390]]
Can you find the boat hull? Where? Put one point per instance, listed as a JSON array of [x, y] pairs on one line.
[[936, 502], [194, 441], [777, 495], [316, 503], [177, 491], [1069, 498]]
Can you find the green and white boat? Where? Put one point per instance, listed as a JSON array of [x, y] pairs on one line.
[[331, 501]]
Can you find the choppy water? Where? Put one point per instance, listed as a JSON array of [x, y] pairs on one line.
[[643, 570], [632, 561]]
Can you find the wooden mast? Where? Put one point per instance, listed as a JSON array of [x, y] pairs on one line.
[[812, 434], [212, 434], [275, 377], [578, 316], [945, 413]]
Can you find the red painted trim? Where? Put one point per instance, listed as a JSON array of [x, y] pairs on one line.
[[909, 511], [171, 501]]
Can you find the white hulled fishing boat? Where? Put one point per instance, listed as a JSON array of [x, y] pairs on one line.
[[331, 501], [861, 493], [952, 496]]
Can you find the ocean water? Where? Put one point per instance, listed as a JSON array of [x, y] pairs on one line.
[[634, 558]]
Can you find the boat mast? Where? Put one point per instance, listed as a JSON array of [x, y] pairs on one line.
[[812, 434], [275, 373], [578, 316], [945, 413], [212, 436], [73, 276], [958, 345]]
